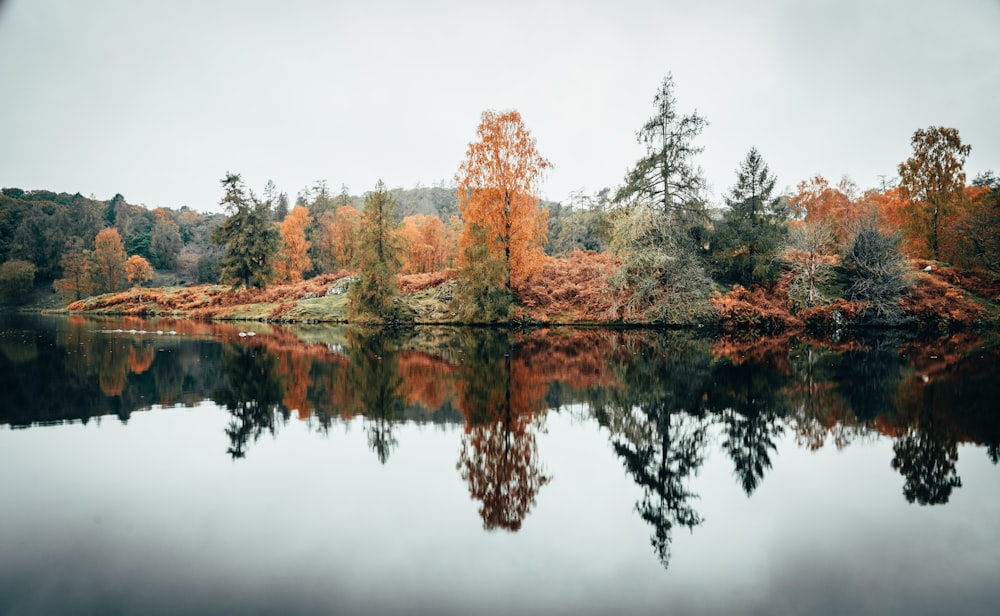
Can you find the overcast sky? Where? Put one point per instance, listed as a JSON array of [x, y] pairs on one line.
[[158, 100]]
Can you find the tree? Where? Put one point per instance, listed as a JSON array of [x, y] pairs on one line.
[[251, 240], [833, 207], [107, 262], [498, 192], [293, 259], [16, 279], [747, 242], [661, 277], [666, 177], [281, 207], [372, 297], [809, 243], [138, 271], [428, 246], [934, 180], [75, 263], [876, 272], [166, 243]]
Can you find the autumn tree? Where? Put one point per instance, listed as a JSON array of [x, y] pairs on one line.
[[933, 179], [251, 240], [293, 258], [974, 237], [372, 297], [428, 247], [498, 198], [138, 270], [835, 208], [336, 242], [746, 244], [75, 283], [106, 269]]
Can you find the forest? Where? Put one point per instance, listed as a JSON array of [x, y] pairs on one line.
[[922, 249]]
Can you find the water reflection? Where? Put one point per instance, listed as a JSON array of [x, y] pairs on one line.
[[503, 404], [665, 399]]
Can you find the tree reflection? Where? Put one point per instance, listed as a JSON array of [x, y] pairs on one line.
[[373, 372], [251, 392], [926, 459], [501, 399], [749, 400], [657, 429]]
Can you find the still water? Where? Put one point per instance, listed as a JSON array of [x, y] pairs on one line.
[[165, 467]]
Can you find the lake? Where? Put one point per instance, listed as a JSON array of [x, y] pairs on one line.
[[167, 467]]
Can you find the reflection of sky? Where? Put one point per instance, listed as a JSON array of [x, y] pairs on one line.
[[154, 517]]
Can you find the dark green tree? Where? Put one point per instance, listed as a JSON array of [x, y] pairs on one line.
[[657, 230], [746, 244], [251, 240], [667, 177], [281, 207], [16, 280], [166, 243], [378, 259], [875, 272]]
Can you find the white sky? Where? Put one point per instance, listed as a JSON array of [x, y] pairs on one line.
[[157, 100]]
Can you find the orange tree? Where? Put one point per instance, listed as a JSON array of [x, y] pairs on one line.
[[138, 271], [107, 262], [293, 258], [933, 179], [498, 199]]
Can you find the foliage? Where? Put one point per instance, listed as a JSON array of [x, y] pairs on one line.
[[428, 244], [498, 194], [973, 238], [166, 243], [661, 278], [666, 177], [335, 244], [75, 283], [293, 258], [875, 272], [757, 308], [570, 289], [481, 295], [933, 179], [810, 259], [377, 260], [746, 244], [251, 240], [138, 270], [833, 208], [106, 264], [17, 277], [933, 301], [582, 224]]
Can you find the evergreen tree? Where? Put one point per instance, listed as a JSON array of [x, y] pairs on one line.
[[281, 207], [667, 177], [746, 244], [251, 240], [377, 260]]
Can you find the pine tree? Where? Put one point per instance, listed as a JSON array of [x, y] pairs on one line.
[[746, 244], [251, 240], [377, 260]]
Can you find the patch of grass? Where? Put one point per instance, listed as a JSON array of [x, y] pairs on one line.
[[328, 309]]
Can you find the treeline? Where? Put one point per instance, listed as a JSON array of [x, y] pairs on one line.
[[823, 245]]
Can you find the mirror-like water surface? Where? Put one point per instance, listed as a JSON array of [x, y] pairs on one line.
[[173, 467]]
